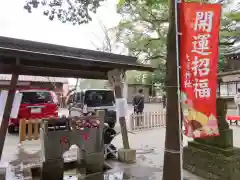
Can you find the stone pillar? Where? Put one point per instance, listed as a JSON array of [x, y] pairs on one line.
[[214, 157], [52, 160], [92, 160], [3, 170], [52, 169], [225, 140]]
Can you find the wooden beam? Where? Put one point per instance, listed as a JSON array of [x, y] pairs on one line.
[[54, 72], [70, 61], [222, 74], [7, 110], [14, 45]]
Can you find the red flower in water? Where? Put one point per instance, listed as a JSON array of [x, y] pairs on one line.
[[85, 135]]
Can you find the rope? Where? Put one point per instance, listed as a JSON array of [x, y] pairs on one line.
[[144, 151], [172, 151], [171, 86]]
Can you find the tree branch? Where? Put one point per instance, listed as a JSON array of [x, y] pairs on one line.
[[154, 17], [70, 4], [107, 38]]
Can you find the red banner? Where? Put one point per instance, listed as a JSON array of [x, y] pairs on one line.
[[199, 40]]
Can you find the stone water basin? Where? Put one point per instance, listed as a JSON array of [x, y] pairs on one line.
[[119, 170], [72, 174]]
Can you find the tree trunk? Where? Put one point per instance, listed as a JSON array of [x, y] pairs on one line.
[[171, 168]]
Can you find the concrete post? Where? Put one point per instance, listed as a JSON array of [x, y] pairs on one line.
[[3, 170], [94, 160]]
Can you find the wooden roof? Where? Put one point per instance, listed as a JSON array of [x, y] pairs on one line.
[[42, 59], [231, 51]]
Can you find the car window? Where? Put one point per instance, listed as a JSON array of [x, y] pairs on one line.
[[99, 98], [36, 97]]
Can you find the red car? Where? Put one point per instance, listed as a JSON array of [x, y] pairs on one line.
[[35, 104]]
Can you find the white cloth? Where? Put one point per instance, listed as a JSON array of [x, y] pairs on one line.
[[121, 107]]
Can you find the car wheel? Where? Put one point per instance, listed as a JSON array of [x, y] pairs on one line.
[[11, 129]]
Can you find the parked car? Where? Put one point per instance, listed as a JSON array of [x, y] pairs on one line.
[[35, 104], [87, 101]]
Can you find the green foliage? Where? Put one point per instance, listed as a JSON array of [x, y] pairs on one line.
[[143, 31], [144, 27], [228, 25], [75, 12], [234, 15], [120, 3]]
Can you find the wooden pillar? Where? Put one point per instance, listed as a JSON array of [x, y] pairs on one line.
[[116, 80], [125, 88], [7, 110]]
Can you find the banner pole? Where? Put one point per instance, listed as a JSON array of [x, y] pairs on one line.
[[177, 13]]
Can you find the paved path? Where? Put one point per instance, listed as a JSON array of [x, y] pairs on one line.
[[142, 141], [149, 152], [12, 140]]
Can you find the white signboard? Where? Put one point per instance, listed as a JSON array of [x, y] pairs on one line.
[[15, 106], [121, 107], [125, 90], [3, 99]]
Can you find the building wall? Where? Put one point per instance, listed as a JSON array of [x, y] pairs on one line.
[[229, 85], [232, 62], [4, 85], [26, 78], [48, 85]]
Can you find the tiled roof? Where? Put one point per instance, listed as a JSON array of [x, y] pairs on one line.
[[233, 50]]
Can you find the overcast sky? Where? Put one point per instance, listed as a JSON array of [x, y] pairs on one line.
[[18, 23]]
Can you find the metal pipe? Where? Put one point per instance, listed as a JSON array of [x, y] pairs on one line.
[[177, 3]]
